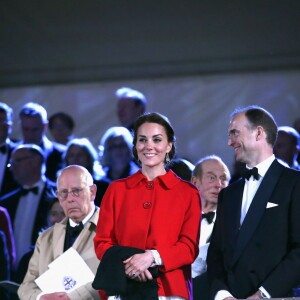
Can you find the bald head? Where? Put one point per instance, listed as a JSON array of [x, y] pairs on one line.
[[210, 176], [76, 171], [76, 192]]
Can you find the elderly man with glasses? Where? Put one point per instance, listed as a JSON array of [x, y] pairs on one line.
[[76, 193]]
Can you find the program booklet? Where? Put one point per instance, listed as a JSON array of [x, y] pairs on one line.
[[65, 274]]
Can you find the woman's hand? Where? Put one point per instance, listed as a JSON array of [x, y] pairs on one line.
[[144, 276], [136, 266]]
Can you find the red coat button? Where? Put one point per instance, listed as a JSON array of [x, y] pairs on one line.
[[147, 205], [149, 185]]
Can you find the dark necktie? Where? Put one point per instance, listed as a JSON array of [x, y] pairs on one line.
[[209, 216], [75, 231], [3, 149], [247, 173], [34, 190], [71, 234]]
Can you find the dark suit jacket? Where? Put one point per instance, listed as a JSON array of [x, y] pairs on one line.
[[6, 228], [265, 250], [102, 185], [11, 200], [9, 183], [53, 153]]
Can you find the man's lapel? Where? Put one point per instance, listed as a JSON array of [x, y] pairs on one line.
[[59, 234], [235, 212], [257, 209]]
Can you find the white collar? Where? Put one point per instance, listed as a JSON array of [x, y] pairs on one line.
[[264, 165], [73, 224]]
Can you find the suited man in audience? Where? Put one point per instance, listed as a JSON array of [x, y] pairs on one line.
[[7, 182], [287, 146], [210, 176], [254, 250], [76, 193], [34, 123], [28, 204], [131, 104]]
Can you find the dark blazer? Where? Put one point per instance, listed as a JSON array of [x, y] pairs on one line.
[[11, 200], [265, 250], [102, 185], [6, 228], [8, 183], [53, 153]]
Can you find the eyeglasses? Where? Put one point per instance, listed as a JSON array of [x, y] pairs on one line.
[[17, 161], [63, 194]]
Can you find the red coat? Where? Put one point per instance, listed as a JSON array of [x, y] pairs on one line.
[[163, 214]]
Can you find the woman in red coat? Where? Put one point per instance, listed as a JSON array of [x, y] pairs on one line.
[[153, 210]]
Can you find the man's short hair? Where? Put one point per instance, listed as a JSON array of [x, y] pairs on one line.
[[198, 171], [258, 116], [129, 93], [67, 119], [8, 110], [31, 147], [31, 109], [292, 132]]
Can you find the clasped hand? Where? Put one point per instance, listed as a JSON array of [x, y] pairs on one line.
[[136, 266]]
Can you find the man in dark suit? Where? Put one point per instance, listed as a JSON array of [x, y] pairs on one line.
[[7, 182], [287, 146], [34, 123], [28, 205], [255, 246], [131, 104]]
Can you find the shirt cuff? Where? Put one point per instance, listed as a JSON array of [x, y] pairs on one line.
[[264, 293], [222, 294], [157, 260]]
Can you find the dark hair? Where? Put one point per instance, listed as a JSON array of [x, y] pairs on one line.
[[258, 116], [182, 167], [67, 119], [32, 109], [157, 118], [7, 110], [292, 133], [135, 95], [87, 146]]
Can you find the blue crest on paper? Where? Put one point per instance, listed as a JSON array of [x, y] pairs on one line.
[[68, 283]]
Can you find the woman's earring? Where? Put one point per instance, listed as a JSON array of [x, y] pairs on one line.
[[167, 159]]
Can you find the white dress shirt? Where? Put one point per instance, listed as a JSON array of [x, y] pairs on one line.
[[199, 266], [24, 220], [250, 189]]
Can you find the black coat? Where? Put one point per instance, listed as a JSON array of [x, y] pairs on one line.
[[8, 182], [111, 277], [11, 200], [265, 250]]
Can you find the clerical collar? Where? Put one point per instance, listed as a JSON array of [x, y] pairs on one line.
[[85, 220], [264, 165]]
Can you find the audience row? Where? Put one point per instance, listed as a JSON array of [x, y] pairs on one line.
[[30, 167]]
